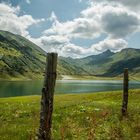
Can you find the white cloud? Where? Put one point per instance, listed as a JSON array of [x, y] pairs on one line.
[[111, 44], [11, 21], [131, 4], [112, 19], [64, 47], [120, 25], [115, 20], [77, 28], [28, 1], [8, 9], [53, 17]]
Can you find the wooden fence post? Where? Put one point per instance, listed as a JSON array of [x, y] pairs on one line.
[[125, 92], [47, 98]]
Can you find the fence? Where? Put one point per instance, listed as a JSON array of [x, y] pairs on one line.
[[48, 94]]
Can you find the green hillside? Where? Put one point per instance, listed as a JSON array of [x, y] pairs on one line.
[[19, 57], [109, 64], [127, 58], [22, 59]]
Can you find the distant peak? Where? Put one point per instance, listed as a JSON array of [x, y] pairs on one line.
[[107, 52]]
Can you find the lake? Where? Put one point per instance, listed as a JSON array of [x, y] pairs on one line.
[[23, 88]]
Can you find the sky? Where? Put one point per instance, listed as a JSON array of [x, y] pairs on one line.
[[74, 28]]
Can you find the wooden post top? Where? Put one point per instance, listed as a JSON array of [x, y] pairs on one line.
[[52, 53]]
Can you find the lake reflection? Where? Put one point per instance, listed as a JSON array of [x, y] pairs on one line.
[[19, 88]]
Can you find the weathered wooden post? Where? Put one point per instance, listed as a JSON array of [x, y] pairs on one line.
[[125, 92], [47, 98]]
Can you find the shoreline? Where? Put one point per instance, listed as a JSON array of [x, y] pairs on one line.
[[66, 77], [72, 94]]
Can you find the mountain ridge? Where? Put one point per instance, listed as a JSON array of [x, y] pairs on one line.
[[20, 58]]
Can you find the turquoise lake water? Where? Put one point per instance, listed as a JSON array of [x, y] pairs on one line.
[[23, 88]]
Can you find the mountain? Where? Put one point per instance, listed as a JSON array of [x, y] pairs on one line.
[[109, 64], [20, 58], [127, 58]]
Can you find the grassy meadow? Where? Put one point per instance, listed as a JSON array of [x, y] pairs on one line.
[[75, 117]]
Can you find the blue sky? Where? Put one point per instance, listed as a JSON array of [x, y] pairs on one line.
[[75, 28]]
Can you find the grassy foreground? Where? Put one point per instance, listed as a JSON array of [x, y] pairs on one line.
[[75, 117]]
